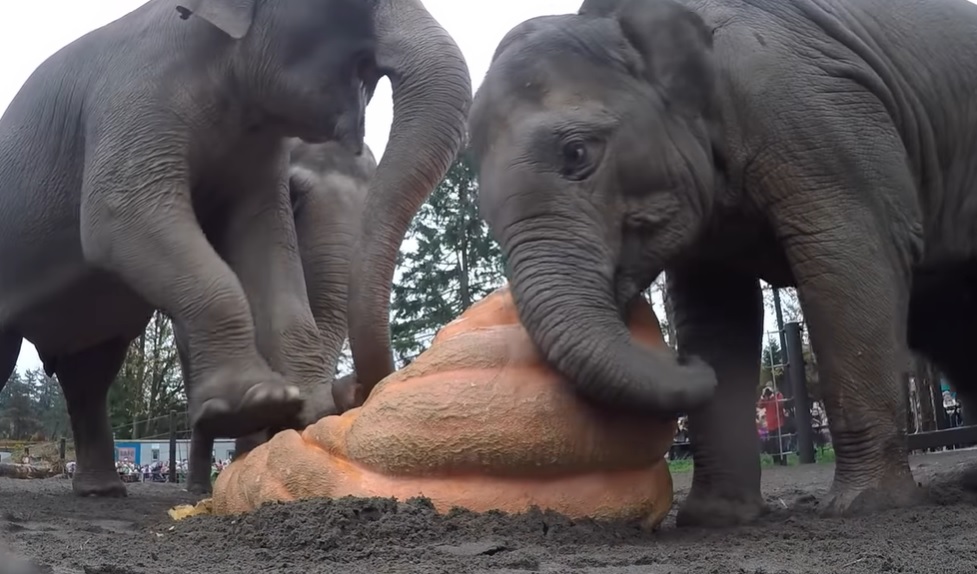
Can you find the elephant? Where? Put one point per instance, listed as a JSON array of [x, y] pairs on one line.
[[144, 167], [829, 145], [328, 186]]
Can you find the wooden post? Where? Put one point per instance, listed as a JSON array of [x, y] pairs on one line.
[[62, 449], [172, 477]]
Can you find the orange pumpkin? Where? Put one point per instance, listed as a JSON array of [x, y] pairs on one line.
[[477, 421]]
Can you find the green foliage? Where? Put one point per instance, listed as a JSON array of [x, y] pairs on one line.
[[149, 385], [453, 263], [32, 408], [824, 455], [771, 363]]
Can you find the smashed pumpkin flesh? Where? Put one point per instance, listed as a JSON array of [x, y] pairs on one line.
[[477, 421]]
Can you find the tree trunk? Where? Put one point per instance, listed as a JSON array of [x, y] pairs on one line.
[[25, 471]]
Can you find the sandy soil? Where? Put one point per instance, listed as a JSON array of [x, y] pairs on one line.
[[66, 535]]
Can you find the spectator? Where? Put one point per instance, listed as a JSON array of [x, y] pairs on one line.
[[773, 407]]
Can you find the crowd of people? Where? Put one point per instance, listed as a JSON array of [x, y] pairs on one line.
[[158, 471]]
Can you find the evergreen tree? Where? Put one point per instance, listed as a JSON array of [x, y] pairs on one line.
[[18, 418], [453, 263], [149, 385], [49, 404]]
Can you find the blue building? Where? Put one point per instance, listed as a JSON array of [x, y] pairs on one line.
[[146, 452]]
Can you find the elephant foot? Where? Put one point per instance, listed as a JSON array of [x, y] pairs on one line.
[[98, 484], [897, 489], [197, 485], [235, 406], [707, 509]]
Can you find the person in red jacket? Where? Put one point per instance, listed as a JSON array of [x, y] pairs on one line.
[[773, 405]]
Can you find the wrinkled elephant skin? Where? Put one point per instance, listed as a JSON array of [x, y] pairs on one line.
[[328, 185], [145, 166], [825, 144]]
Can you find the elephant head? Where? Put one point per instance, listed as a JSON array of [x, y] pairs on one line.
[[306, 68], [593, 142], [320, 61]]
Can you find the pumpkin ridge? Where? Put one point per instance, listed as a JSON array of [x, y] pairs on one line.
[[480, 421]]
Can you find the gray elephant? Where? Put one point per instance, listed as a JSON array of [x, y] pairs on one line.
[[826, 144], [145, 166], [328, 186]]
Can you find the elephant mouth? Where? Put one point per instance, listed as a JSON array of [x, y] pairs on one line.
[[626, 288]]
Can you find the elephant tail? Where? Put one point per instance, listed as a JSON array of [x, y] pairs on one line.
[[9, 352]]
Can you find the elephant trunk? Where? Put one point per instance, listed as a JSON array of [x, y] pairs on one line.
[[563, 287], [432, 93], [328, 300]]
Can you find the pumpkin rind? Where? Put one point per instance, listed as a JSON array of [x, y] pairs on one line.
[[478, 421]]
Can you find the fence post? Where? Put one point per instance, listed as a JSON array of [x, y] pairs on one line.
[[62, 449], [785, 386], [802, 403], [936, 395], [172, 477]]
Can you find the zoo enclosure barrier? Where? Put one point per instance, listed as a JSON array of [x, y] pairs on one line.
[[171, 429], [800, 430], [935, 420]]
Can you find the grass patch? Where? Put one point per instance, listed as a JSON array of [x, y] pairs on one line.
[[680, 465], [821, 456]]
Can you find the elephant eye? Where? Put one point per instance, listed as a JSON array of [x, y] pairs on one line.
[[576, 160]]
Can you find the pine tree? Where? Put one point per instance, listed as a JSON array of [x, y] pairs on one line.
[[18, 415], [149, 385], [453, 263], [49, 404]]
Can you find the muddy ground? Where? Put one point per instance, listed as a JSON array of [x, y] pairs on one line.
[[66, 535]]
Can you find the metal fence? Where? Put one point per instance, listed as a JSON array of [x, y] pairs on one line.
[[792, 422], [172, 429]]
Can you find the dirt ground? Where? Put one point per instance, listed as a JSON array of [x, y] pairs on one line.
[[40, 519]]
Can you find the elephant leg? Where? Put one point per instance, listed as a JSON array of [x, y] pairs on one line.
[[260, 245], [201, 444], [85, 379], [719, 318], [855, 293], [844, 206], [10, 344], [138, 223], [199, 463]]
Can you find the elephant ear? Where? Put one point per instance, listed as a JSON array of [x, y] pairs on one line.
[[233, 17], [675, 46]]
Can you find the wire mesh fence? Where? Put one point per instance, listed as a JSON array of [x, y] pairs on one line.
[[777, 415], [780, 408], [790, 397]]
